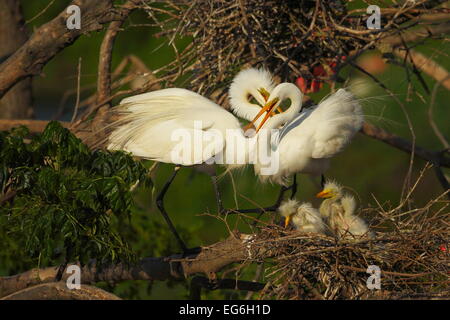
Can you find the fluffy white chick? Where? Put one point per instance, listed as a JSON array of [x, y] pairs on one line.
[[304, 216]]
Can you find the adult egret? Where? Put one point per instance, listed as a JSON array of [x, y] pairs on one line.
[[338, 209], [306, 142], [152, 124], [304, 216]]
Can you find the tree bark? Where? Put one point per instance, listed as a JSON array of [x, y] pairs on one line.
[[51, 38], [211, 259], [59, 291], [17, 103]]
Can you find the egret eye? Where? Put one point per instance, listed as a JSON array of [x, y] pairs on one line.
[[251, 99]]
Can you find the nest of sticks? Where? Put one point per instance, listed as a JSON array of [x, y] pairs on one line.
[[411, 249], [292, 38], [284, 36]]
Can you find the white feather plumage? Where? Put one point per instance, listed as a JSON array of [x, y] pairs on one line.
[[304, 216], [339, 211], [307, 142]]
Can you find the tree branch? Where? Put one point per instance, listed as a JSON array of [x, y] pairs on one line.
[[404, 145], [416, 35], [59, 291], [35, 126], [211, 259], [427, 65], [51, 38], [106, 51]]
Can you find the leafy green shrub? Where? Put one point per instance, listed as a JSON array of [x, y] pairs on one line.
[[60, 200]]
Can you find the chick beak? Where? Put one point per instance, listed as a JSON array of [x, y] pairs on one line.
[[324, 194], [287, 220]]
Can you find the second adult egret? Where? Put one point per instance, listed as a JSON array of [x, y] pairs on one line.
[[306, 142]]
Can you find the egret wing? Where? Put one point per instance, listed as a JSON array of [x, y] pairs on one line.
[[171, 125], [339, 117]]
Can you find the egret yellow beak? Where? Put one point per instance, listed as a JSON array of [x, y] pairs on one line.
[[265, 94], [287, 220], [324, 194], [268, 108]]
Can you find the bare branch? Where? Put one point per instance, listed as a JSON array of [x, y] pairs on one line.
[[427, 65], [416, 34], [51, 38], [210, 260], [404, 145], [106, 49], [35, 126], [59, 291]]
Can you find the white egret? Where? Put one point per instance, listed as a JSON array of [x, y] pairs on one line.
[[306, 142], [304, 216], [338, 209], [152, 124]]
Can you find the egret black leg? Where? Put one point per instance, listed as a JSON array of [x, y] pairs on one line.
[[220, 208], [294, 187], [160, 204], [322, 180]]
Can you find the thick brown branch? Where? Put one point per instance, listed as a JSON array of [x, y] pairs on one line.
[[59, 291], [416, 35], [210, 260], [35, 126], [404, 145], [53, 37], [106, 50]]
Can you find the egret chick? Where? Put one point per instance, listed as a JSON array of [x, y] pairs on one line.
[[338, 209], [304, 216]]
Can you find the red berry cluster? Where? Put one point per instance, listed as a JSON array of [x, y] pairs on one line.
[[318, 72]]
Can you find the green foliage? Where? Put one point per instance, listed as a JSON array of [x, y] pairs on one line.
[[67, 200]]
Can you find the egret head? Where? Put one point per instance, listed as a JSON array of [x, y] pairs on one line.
[[250, 83], [331, 190], [288, 209], [281, 92]]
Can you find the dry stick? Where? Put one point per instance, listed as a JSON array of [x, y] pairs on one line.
[[417, 34], [104, 65], [433, 124], [407, 180], [41, 13], [427, 65], [106, 51], [77, 103]]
